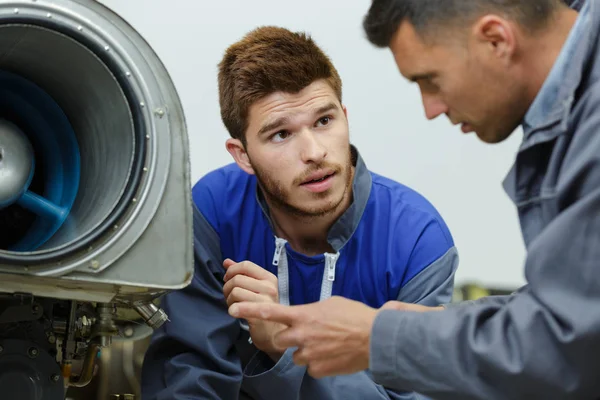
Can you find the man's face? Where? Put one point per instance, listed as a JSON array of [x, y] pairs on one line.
[[467, 78], [298, 147]]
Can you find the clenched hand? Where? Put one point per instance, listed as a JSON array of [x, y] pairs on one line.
[[248, 282]]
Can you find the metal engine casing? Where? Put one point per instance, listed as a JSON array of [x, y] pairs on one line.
[[129, 239]]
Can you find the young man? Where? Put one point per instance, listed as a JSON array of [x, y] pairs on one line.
[[492, 66], [298, 218]]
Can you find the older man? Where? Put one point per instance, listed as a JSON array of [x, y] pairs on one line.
[[491, 66]]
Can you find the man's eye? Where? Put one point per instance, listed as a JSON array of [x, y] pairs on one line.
[[279, 136], [429, 86], [324, 121]]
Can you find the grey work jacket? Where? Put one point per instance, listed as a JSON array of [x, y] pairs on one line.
[[542, 342]]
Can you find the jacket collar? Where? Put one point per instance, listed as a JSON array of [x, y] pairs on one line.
[[554, 106], [555, 99]]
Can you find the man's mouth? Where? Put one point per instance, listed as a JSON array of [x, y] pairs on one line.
[[466, 128], [318, 177]]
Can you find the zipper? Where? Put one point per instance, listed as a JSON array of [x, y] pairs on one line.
[[330, 263], [279, 246]]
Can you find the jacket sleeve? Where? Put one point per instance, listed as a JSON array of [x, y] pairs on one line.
[[538, 342], [192, 356], [432, 286]]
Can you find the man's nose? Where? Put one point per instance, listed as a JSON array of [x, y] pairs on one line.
[[434, 106], [313, 149]]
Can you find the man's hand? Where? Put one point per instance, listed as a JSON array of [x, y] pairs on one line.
[[332, 336], [248, 282]]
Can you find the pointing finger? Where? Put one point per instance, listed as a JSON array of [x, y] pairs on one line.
[[287, 315]]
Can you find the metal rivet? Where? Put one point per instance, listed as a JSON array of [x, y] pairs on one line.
[[116, 227], [127, 73], [148, 137], [160, 112], [49, 15], [80, 28], [142, 104], [55, 377], [145, 169], [33, 352], [16, 10], [134, 200], [106, 48], [94, 264]]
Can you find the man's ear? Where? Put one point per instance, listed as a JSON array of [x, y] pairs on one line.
[[345, 111], [497, 35], [236, 148]]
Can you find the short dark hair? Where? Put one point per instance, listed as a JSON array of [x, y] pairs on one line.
[[385, 16], [266, 60]]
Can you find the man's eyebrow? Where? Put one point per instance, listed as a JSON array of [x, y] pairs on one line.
[[326, 108], [273, 125]]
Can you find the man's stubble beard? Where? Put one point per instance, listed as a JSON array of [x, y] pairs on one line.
[[279, 198]]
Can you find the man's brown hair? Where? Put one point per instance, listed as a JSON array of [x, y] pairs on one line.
[[268, 59]]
